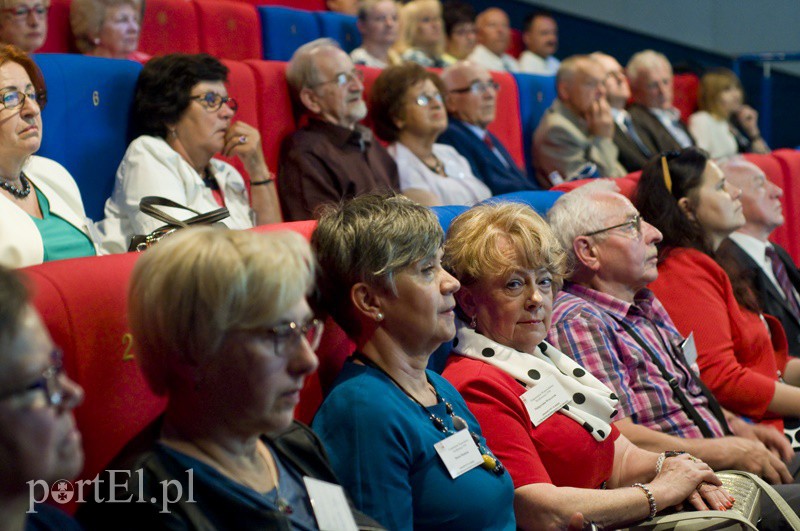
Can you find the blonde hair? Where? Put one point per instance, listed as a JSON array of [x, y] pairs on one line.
[[409, 20], [473, 251], [87, 17], [712, 85], [192, 289]]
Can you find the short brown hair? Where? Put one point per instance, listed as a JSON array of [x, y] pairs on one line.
[[712, 84], [472, 251], [11, 54], [387, 97]]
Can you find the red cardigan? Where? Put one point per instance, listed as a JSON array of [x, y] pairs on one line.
[[738, 359]]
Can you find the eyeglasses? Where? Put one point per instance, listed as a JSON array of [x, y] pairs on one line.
[[21, 12], [50, 382], [14, 99], [343, 78], [287, 336], [633, 225], [423, 100], [212, 101], [478, 87]]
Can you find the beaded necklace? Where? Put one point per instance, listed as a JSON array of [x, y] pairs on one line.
[[490, 462], [13, 190]]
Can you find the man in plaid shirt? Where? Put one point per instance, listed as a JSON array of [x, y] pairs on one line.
[[614, 326]]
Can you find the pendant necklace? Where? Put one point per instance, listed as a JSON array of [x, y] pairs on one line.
[[280, 502], [490, 462]]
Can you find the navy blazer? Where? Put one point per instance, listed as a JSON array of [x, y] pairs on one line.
[[770, 299], [484, 163]]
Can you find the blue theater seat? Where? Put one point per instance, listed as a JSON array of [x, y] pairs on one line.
[[283, 30], [539, 200], [86, 120], [341, 28], [536, 94]]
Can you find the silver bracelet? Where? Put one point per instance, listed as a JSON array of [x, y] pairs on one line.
[[650, 499]]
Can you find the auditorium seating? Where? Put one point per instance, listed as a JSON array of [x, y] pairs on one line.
[[789, 160], [170, 26], [684, 88], [341, 28], [283, 30], [86, 120], [59, 33], [507, 125], [274, 107], [536, 94], [228, 29]]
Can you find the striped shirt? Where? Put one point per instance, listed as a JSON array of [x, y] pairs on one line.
[[586, 326]]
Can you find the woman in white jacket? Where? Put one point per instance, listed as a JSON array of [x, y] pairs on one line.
[[41, 212], [184, 116]]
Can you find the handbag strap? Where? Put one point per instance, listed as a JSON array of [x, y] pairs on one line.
[[687, 406], [149, 203]]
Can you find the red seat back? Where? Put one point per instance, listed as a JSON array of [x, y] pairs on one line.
[[308, 5], [516, 46], [274, 107], [788, 237], [229, 30], [507, 125], [59, 32], [83, 304], [627, 185], [685, 87], [169, 26]]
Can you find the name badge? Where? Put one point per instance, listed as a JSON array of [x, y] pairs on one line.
[[459, 453], [690, 351], [545, 399], [330, 506]]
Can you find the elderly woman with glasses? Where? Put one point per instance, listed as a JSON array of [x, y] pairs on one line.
[[108, 28], [38, 437], [184, 117], [407, 108], [742, 353], [548, 419], [223, 330], [24, 23], [41, 211], [400, 437]]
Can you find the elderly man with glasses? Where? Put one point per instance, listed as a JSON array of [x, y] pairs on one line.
[[471, 101], [332, 157], [24, 24], [607, 320]]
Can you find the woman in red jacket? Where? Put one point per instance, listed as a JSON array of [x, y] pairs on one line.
[[741, 353]]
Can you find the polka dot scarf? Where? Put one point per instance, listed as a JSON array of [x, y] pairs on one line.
[[593, 405]]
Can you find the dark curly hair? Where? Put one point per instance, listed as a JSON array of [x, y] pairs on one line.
[[659, 207], [387, 96], [164, 88]]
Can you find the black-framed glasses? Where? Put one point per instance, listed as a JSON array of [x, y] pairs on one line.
[[213, 102], [50, 381], [423, 100], [633, 225], [21, 12], [288, 336], [14, 99], [343, 78], [478, 87]]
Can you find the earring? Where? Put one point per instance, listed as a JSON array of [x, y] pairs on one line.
[[173, 133], [474, 322], [379, 317]]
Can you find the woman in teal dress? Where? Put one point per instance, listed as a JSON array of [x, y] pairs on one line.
[[385, 419], [41, 212]]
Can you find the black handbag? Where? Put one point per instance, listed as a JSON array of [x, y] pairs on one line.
[[148, 204]]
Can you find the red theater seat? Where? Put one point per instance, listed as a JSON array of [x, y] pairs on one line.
[[789, 160], [229, 30], [685, 88], [59, 33], [516, 46], [627, 185], [169, 26], [308, 5], [83, 303], [274, 107], [507, 125]]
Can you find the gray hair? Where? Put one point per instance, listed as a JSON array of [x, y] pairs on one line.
[[570, 67], [86, 18], [644, 60], [369, 239], [302, 72], [577, 213]]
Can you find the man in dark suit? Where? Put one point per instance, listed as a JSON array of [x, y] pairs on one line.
[[471, 101], [653, 114], [634, 149], [769, 269]]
